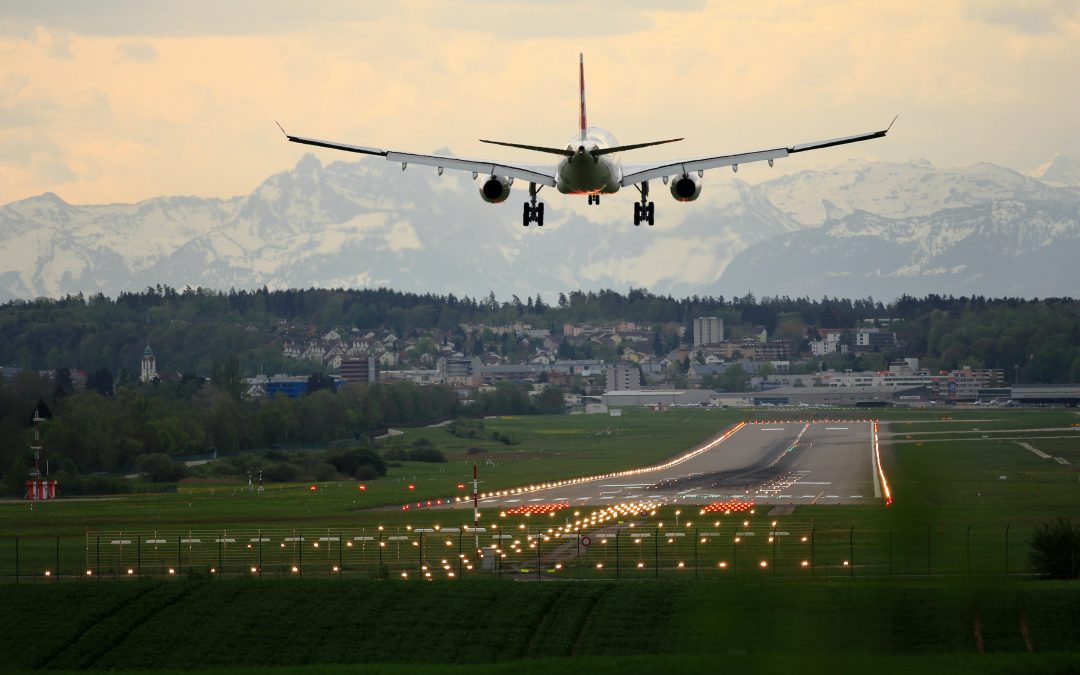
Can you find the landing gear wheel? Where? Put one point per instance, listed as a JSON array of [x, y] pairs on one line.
[[644, 210], [539, 212], [533, 211], [651, 213], [637, 214], [526, 216]]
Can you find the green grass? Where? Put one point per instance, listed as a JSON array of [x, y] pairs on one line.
[[941, 488], [193, 625], [840, 664]]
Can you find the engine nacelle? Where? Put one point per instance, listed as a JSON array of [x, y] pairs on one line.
[[686, 188], [496, 189]]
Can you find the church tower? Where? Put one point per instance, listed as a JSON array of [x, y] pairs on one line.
[[149, 365]]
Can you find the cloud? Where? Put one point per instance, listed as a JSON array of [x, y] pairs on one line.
[[1031, 16], [137, 52]]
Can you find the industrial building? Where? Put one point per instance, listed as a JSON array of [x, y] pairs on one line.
[[1046, 394], [362, 370], [631, 398], [842, 396]]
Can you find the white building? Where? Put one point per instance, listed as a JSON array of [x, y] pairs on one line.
[[708, 330]]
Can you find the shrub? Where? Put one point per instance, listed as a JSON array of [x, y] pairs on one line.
[[280, 472], [1055, 549], [396, 455], [365, 472], [474, 450], [422, 443], [160, 468], [426, 455], [324, 471]]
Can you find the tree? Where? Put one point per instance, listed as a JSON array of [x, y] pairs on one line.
[[1055, 549], [101, 381], [160, 468], [319, 381]]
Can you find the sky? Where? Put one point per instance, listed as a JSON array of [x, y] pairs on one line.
[[124, 100]]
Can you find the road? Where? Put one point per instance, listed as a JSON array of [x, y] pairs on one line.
[[776, 463]]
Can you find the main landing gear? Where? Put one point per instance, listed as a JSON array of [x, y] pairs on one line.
[[644, 210], [594, 199], [533, 211]]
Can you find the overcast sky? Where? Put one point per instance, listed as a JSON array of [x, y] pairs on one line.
[[121, 100]]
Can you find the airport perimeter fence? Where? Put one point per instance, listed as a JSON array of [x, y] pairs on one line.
[[693, 551]]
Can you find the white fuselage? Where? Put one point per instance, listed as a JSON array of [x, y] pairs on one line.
[[584, 174]]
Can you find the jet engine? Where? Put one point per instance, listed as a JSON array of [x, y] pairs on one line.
[[686, 188], [496, 189]]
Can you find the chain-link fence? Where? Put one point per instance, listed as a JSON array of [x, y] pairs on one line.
[[731, 548]]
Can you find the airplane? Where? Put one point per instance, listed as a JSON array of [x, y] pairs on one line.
[[589, 165]]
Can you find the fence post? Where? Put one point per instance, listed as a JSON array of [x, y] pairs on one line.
[[618, 573], [967, 546], [851, 551], [811, 549], [219, 559], [775, 541], [138, 556], [421, 555], [260, 553], [300, 558], [1006, 550], [539, 538], [695, 553], [929, 549], [656, 552], [340, 561], [735, 552], [459, 553]]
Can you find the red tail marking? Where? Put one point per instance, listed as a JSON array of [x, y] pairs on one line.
[[581, 87]]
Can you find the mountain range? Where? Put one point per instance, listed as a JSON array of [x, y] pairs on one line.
[[856, 229]]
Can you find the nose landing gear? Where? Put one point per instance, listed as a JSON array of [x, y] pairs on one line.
[[594, 199], [644, 210]]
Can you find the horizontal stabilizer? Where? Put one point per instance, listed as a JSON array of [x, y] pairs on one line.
[[635, 146], [537, 148]]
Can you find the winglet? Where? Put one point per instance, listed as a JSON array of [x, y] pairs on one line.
[[283, 130], [892, 123]]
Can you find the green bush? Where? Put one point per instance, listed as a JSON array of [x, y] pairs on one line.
[[1055, 549]]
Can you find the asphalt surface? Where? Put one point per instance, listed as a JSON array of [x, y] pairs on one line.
[[768, 463]]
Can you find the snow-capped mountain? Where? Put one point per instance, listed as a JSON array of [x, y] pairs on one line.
[[1060, 171], [897, 227]]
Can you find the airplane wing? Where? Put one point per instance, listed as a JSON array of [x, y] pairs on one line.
[[541, 175], [634, 174]]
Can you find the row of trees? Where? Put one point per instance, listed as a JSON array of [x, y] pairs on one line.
[[89, 432], [196, 327]]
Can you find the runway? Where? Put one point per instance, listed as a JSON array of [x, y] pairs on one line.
[[796, 463]]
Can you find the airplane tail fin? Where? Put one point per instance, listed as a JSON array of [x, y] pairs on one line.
[[582, 124]]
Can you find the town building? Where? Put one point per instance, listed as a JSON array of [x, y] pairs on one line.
[[360, 370], [622, 377], [708, 330]]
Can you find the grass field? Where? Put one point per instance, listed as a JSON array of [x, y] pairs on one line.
[[944, 483], [206, 625]]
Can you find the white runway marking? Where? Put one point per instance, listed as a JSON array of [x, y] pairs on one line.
[[810, 482], [856, 497], [772, 429], [836, 428]]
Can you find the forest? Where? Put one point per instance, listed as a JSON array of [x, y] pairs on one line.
[[1036, 340], [215, 339]]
